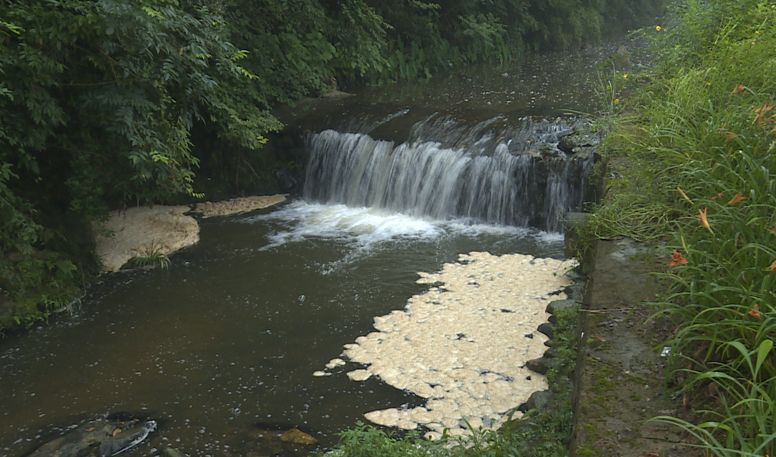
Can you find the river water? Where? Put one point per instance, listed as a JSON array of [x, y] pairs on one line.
[[222, 346]]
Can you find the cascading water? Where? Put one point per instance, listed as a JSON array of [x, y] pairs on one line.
[[485, 173]]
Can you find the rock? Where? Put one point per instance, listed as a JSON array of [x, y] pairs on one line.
[[143, 232], [296, 436], [560, 305], [573, 274], [237, 205], [537, 400], [547, 329], [170, 452], [540, 365], [122, 439], [576, 141], [575, 291], [585, 152], [100, 438]]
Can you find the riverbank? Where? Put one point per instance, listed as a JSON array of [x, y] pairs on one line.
[[693, 143], [150, 234], [621, 372], [140, 237]]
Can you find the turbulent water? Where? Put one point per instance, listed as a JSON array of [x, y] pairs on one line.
[[221, 347], [486, 173]]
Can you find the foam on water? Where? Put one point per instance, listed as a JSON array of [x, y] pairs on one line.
[[365, 227], [446, 170]]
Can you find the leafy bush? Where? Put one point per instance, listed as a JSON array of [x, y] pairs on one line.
[[97, 103]]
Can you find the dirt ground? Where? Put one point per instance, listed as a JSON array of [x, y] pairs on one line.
[[621, 376]]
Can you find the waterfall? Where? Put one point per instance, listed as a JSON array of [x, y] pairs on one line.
[[508, 177]]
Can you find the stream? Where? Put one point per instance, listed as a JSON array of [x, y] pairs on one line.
[[222, 346]]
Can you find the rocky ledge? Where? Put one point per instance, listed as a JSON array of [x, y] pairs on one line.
[[237, 205]]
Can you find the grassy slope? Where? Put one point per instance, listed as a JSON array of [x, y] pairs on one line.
[[694, 144]]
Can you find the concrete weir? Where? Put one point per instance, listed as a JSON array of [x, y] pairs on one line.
[[463, 344]]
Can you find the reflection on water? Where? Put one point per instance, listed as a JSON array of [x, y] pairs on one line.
[[544, 85], [222, 346], [230, 335]]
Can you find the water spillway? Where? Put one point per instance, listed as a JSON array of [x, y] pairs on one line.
[[486, 173], [222, 347]]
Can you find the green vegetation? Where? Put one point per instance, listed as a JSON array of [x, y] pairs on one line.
[[149, 258], [695, 144], [542, 432], [109, 103], [97, 104]]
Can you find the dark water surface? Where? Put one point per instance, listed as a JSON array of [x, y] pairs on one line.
[[545, 85], [224, 343], [230, 335]]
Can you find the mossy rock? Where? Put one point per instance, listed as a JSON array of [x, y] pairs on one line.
[[296, 436]]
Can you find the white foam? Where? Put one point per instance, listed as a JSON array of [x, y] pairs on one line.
[[305, 220], [366, 226], [465, 349]]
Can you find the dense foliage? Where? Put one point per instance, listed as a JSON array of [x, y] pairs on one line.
[[109, 103], [696, 144], [97, 104]]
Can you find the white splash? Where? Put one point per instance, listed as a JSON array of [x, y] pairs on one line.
[[366, 226]]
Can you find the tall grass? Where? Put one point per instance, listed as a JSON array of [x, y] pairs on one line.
[[699, 139], [745, 424]]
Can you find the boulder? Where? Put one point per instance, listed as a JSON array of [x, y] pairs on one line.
[[579, 142], [559, 305], [547, 329], [296, 436], [99, 438], [575, 291], [540, 365], [537, 400]]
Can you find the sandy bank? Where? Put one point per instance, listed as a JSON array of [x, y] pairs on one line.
[[143, 231], [163, 230], [464, 343]]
